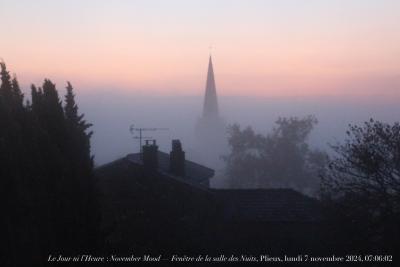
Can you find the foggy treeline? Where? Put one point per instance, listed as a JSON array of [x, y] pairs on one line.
[[281, 159], [358, 185]]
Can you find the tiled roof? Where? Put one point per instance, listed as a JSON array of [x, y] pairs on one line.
[[268, 205], [194, 172], [241, 205]]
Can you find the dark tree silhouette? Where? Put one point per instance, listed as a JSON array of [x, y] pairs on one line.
[[16, 91], [279, 159], [82, 166], [362, 186], [46, 173], [71, 109], [6, 87], [10, 174]]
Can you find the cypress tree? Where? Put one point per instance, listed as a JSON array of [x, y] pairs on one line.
[[12, 159], [82, 171], [71, 109], [6, 87], [50, 115], [18, 96], [47, 188]]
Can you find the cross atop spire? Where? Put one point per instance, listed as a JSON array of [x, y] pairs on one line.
[[210, 108]]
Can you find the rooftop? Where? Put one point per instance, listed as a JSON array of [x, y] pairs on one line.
[[269, 205], [194, 172]]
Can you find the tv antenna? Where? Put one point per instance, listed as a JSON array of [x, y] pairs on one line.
[[137, 133]]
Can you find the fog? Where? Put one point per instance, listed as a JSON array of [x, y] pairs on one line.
[[113, 112]]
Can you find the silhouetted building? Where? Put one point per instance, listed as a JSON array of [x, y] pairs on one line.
[[162, 202], [211, 137], [280, 221], [155, 200], [173, 165], [267, 205]]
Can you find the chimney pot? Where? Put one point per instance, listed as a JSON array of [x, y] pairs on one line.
[[177, 159], [150, 155]]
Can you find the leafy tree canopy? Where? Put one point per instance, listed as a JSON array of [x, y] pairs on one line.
[[362, 184], [281, 158]]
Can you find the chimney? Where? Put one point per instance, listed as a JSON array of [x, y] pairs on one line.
[[177, 159], [150, 155]]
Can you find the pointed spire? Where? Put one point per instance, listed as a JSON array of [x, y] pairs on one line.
[[210, 108]]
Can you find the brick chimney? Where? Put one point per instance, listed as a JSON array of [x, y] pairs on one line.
[[177, 159], [150, 155]]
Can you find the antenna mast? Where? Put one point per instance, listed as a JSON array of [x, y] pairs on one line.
[[140, 136]]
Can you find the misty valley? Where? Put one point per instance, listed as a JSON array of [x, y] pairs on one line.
[[210, 180]]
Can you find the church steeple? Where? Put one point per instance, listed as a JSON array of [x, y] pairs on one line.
[[211, 139], [210, 108]]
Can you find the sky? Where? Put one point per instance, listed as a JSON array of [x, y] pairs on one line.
[[259, 47]]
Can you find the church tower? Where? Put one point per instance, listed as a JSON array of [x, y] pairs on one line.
[[211, 137]]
